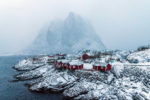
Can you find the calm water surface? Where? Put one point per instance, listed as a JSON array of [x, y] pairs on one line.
[[16, 90]]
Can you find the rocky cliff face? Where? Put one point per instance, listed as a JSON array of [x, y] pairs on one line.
[[70, 35]]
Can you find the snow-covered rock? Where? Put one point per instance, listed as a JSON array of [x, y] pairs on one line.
[[55, 82], [117, 68], [30, 63], [82, 87], [139, 56], [125, 81], [38, 72]]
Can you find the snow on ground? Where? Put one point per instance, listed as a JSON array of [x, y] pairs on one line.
[[75, 62], [127, 80], [139, 56], [87, 66]]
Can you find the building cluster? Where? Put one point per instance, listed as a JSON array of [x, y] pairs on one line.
[[80, 64]]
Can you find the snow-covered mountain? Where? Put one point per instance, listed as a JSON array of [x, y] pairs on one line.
[[70, 35]]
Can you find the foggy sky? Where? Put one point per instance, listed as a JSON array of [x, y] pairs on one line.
[[121, 24]]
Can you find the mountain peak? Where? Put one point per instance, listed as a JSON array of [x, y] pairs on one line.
[[74, 18], [72, 15], [73, 34]]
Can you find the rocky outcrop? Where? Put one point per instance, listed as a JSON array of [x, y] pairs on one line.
[[139, 56]]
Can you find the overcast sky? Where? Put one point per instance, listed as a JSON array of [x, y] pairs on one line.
[[121, 24]]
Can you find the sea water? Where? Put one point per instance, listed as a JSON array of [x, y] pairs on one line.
[[16, 90]]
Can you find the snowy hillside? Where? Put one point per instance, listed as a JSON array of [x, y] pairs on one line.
[[70, 35], [140, 56], [125, 81]]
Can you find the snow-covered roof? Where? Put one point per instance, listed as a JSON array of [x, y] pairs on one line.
[[87, 66], [75, 62], [99, 64], [65, 61]]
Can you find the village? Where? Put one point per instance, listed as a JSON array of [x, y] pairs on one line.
[[89, 74], [85, 61], [79, 64]]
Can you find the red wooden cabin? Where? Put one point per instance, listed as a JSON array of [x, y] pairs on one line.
[[99, 68], [95, 67], [102, 68], [72, 67], [85, 56], [80, 66], [108, 67], [67, 65], [64, 65]]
